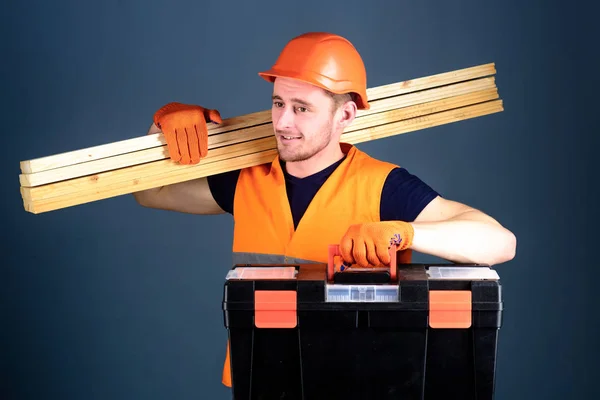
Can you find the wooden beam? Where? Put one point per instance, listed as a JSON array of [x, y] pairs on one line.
[[245, 121], [89, 190]]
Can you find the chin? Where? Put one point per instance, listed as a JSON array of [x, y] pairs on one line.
[[288, 156]]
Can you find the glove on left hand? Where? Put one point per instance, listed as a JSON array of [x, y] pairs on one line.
[[368, 244], [185, 130]]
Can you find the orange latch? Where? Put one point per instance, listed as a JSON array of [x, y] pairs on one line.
[[450, 309], [275, 308]]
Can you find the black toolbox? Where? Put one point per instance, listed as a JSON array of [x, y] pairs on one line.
[[310, 331]]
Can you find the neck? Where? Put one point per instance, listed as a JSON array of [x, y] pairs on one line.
[[316, 163]]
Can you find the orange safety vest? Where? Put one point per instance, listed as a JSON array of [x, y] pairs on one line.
[[264, 228]]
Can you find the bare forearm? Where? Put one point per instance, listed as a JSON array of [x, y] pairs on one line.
[[192, 196], [148, 197], [468, 237]]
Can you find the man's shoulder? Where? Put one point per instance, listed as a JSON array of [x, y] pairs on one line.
[[365, 160], [404, 195], [258, 168]]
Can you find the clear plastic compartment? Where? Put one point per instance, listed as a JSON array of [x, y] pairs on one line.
[[336, 293], [462, 273]]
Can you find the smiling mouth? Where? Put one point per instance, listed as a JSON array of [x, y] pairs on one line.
[[290, 137]]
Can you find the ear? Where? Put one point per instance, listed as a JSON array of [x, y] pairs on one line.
[[346, 114]]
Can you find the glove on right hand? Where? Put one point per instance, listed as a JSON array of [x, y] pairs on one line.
[[185, 130], [368, 244]]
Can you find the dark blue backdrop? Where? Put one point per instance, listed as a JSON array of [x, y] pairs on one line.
[[109, 300]]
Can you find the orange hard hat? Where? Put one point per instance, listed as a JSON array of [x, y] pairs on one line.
[[323, 59]]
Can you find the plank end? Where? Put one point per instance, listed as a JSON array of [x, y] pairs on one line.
[[25, 166]]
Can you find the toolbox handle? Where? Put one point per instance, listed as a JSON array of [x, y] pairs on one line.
[[334, 250]]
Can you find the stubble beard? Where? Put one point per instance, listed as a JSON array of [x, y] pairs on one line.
[[308, 149]]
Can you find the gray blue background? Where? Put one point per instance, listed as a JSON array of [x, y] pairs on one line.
[[109, 300]]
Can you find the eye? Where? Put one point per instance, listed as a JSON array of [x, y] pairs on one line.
[[278, 104], [302, 109]]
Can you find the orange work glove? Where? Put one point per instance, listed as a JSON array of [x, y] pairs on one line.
[[368, 244], [185, 130]]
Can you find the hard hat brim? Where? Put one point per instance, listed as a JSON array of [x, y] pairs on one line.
[[316, 80]]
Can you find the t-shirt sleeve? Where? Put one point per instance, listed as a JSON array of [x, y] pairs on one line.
[[404, 196], [222, 186]]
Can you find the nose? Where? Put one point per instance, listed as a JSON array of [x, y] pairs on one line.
[[283, 118]]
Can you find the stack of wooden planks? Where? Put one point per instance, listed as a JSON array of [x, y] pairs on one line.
[[114, 169]]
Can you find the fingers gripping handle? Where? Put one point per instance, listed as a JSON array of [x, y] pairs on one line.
[[334, 251]]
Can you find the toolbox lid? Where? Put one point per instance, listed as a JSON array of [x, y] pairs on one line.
[[257, 273], [461, 273]]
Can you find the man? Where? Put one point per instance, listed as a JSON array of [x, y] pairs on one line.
[[318, 190]]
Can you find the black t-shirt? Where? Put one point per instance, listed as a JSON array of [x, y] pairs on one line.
[[403, 195]]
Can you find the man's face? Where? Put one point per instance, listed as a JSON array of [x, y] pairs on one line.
[[302, 119]]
